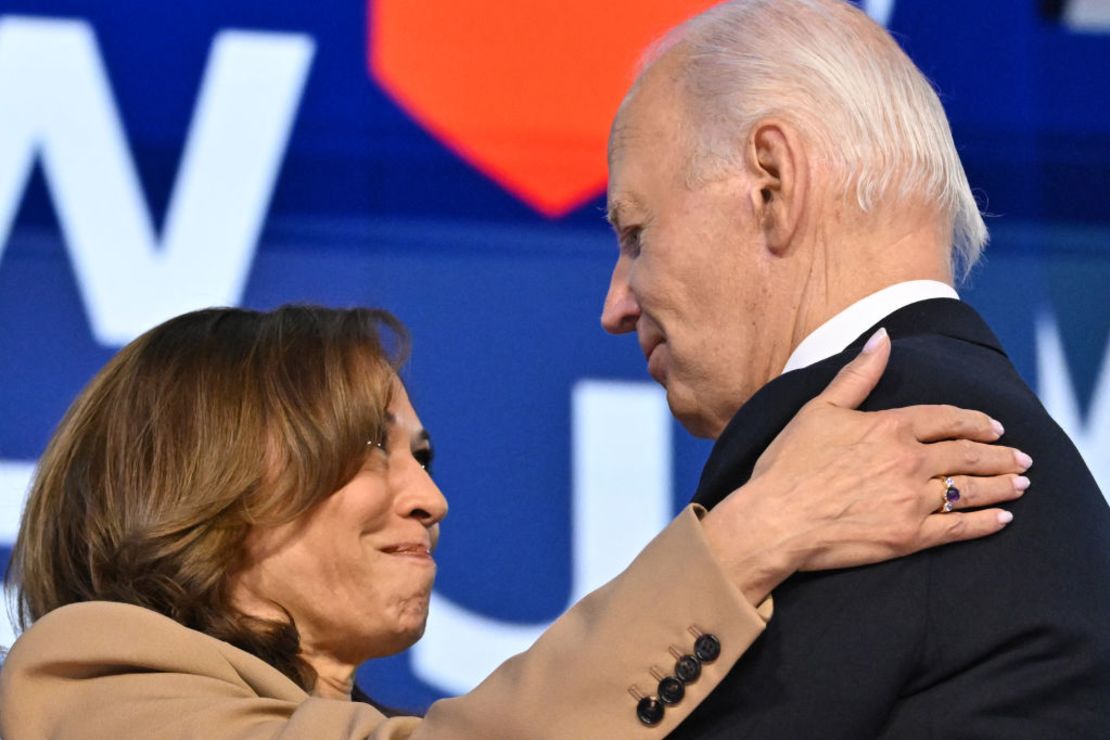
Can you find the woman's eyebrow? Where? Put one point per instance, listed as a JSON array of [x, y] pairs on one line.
[[421, 435]]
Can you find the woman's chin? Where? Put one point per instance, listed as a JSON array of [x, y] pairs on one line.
[[407, 629]]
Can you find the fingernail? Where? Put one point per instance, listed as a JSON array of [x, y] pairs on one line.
[[1021, 483], [998, 428], [1023, 460], [1005, 517], [874, 342]]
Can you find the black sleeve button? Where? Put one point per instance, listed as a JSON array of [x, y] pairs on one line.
[[649, 711], [671, 690], [688, 668], [707, 648]]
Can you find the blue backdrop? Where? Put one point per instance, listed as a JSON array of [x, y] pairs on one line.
[[158, 156]]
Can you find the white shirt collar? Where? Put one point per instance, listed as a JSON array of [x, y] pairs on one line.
[[842, 329]]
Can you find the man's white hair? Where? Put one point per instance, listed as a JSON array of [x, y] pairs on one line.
[[845, 83]]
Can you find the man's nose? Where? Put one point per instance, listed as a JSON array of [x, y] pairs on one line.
[[621, 309]]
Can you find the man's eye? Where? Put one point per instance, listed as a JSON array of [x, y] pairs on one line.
[[630, 240]]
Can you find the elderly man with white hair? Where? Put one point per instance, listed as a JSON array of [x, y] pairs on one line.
[[783, 182]]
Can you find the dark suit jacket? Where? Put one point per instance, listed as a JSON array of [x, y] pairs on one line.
[[1006, 637]]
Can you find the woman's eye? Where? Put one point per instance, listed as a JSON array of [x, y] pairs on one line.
[[424, 457], [377, 451]]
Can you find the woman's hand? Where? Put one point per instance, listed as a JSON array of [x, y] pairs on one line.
[[839, 487]]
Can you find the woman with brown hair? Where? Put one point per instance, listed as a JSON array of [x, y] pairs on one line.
[[236, 513]]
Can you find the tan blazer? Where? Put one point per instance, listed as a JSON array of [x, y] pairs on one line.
[[110, 670]]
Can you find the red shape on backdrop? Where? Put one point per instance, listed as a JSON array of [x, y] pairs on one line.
[[524, 90]]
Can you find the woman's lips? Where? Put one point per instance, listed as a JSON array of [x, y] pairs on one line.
[[414, 550]]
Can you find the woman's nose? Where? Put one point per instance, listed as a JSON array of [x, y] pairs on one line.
[[423, 500]]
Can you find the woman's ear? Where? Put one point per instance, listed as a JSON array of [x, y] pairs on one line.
[[776, 162]]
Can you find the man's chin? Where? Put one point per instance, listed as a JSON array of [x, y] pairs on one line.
[[693, 417]]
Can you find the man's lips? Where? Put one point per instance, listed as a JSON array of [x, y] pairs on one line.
[[654, 360]]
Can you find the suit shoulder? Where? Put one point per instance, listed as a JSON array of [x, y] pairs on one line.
[[83, 639], [103, 623], [933, 366]]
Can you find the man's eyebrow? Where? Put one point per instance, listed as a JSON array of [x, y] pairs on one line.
[[618, 208], [613, 213]]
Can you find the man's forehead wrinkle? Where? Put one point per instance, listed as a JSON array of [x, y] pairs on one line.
[[646, 120], [617, 135], [623, 129], [655, 110]]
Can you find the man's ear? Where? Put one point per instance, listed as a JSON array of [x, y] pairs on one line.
[[776, 162]]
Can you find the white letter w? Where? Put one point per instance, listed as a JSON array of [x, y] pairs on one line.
[[56, 103]]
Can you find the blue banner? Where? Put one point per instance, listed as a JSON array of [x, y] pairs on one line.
[[158, 157]]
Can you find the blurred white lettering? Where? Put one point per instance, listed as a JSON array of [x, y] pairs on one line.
[[622, 498], [1054, 387], [879, 10], [1091, 16], [15, 479], [56, 105]]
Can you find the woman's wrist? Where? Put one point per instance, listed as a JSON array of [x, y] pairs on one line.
[[746, 545]]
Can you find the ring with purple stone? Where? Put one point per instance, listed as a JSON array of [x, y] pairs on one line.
[[950, 496]]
